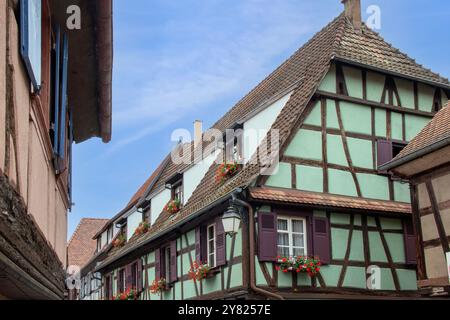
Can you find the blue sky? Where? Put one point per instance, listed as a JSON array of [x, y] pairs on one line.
[[178, 61]]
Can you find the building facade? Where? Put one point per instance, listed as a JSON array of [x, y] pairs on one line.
[[424, 162], [344, 104], [46, 104]]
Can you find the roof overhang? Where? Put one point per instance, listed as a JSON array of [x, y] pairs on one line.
[[422, 160], [90, 67]]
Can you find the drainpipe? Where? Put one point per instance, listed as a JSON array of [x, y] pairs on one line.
[[251, 223]]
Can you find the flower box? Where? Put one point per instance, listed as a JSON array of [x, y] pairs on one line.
[[226, 171], [173, 206], [129, 294], [142, 228], [158, 286], [119, 241], [200, 271], [310, 265]]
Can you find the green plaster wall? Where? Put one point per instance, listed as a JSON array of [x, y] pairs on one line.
[[283, 178], [380, 123], [332, 119], [339, 218], [309, 178], [306, 144], [328, 84], [401, 192], [360, 152], [396, 246], [387, 281], [405, 90], [357, 246], [373, 186], [391, 224], [335, 150], [377, 253], [355, 277], [375, 86], [397, 126], [315, 116], [356, 118], [353, 79], [426, 97], [407, 279], [330, 274], [341, 182], [339, 239]]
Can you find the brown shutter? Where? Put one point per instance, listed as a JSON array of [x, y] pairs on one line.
[[173, 261], [321, 239], [158, 263], [267, 236], [410, 242], [221, 251], [139, 274], [384, 152], [128, 276], [198, 249]]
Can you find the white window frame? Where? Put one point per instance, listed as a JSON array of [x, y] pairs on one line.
[[208, 248], [291, 234]]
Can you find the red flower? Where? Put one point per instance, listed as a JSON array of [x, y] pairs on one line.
[[284, 260], [277, 268]]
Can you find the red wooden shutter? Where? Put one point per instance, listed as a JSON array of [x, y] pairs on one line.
[[221, 251], [158, 263], [173, 261], [139, 274], [321, 239], [410, 242], [384, 152], [267, 236]]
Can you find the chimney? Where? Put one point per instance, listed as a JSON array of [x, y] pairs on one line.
[[198, 132], [353, 12]]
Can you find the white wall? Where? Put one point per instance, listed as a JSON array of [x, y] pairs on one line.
[[193, 176], [158, 203], [261, 123], [133, 222]]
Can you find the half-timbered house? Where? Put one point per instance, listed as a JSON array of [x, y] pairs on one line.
[[425, 163], [343, 104], [55, 89]]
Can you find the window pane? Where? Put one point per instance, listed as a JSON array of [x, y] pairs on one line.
[[298, 240], [297, 226], [299, 252], [211, 246], [283, 251], [282, 225], [283, 239], [211, 233]]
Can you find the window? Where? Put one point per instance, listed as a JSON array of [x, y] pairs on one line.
[[146, 215], [291, 237], [99, 244], [211, 246], [110, 234], [121, 281], [388, 150], [108, 291], [177, 191], [233, 141]]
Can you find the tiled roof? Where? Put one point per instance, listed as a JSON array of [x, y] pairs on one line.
[[81, 246], [307, 67], [327, 200], [437, 130]]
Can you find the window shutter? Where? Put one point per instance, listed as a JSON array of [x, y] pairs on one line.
[[139, 274], [158, 263], [56, 89], [128, 276], [173, 261], [198, 249], [267, 236], [117, 282], [221, 251], [410, 242], [62, 124], [384, 152], [321, 239]]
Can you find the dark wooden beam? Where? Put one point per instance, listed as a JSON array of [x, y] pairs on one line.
[[437, 217]]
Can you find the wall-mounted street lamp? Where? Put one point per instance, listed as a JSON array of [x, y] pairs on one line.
[[231, 220]]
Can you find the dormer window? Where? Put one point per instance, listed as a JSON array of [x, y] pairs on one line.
[[233, 144], [99, 244], [177, 191]]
